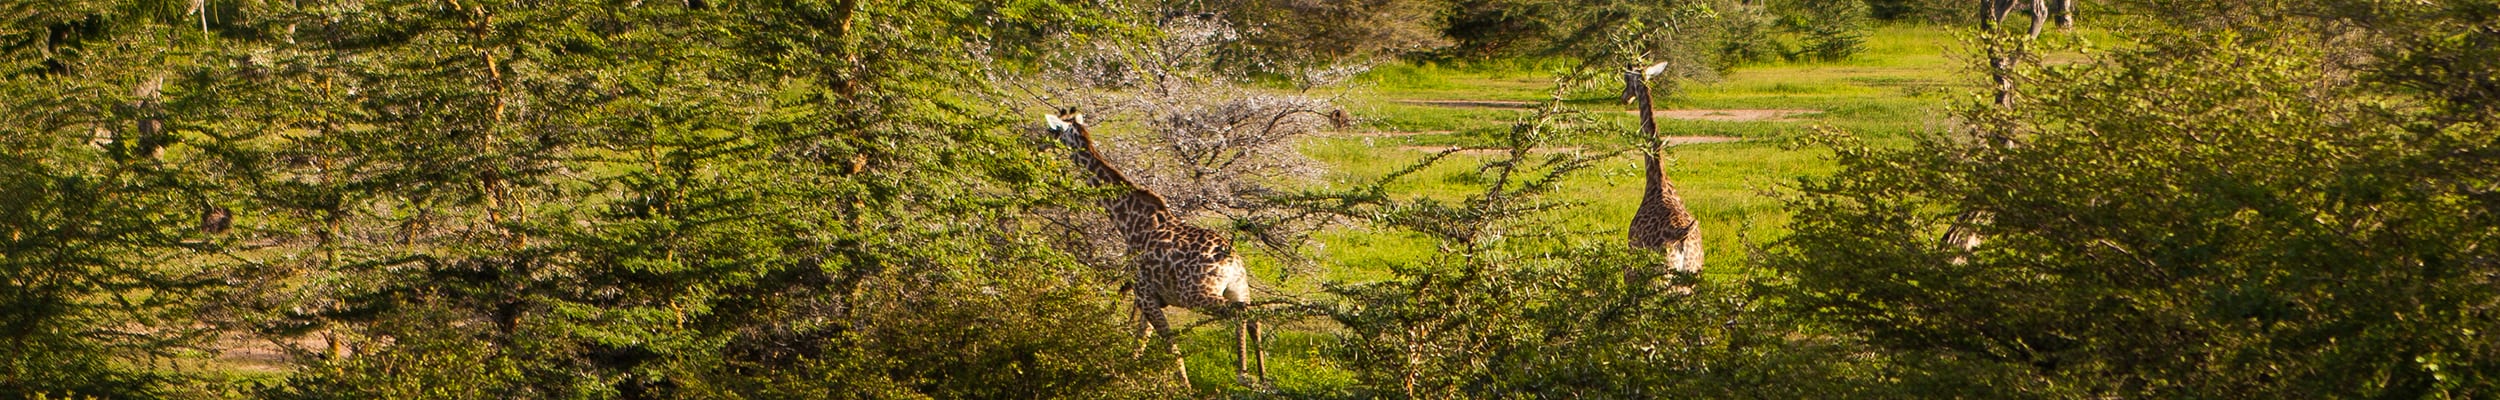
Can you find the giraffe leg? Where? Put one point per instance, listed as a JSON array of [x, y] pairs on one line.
[[1242, 336], [1147, 323], [1179, 363], [1246, 337], [1258, 343], [1162, 330]]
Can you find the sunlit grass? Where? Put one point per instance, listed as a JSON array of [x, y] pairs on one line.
[[1898, 87]]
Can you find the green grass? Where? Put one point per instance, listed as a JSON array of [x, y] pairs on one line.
[[1898, 87]]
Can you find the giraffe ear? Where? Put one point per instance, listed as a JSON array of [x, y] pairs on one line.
[[1055, 124], [1653, 70]]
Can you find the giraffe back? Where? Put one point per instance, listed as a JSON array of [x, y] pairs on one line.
[[1191, 267]]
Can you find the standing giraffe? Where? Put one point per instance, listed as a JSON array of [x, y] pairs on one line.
[[1174, 263], [1662, 223]]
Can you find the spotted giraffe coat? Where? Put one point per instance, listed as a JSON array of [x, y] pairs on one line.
[[1173, 263], [1662, 223]]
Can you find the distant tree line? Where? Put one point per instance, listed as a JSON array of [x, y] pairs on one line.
[[1706, 34]]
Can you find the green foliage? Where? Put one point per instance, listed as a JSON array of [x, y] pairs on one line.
[[1831, 30], [1930, 11], [830, 199], [1602, 35], [1716, 34], [1796, 30], [538, 199], [1013, 336], [84, 298], [2215, 213], [97, 229], [1293, 34]]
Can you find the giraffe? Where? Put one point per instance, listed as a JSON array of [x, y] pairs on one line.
[[1962, 236], [1662, 223], [1173, 263]]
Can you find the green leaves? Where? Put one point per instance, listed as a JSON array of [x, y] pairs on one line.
[[2212, 213], [530, 199]]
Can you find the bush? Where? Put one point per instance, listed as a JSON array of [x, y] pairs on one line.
[[2209, 213]]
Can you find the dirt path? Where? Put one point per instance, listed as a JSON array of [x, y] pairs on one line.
[[1682, 140], [1732, 115], [1471, 103], [242, 353], [253, 356], [1382, 134], [1671, 141], [1722, 115], [1488, 152]]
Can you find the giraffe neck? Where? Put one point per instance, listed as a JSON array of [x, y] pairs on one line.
[[1659, 192], [1139, 215], [1136, 212], [1656, 190], [1649, 123]]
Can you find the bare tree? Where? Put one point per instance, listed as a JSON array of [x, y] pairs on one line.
[[1181, 126], [2066, 14], [2003, 51]]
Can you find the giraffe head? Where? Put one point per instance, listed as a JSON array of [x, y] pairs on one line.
[[1069, 129], [1636, 79]]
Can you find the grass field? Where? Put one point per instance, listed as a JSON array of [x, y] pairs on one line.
[[1899, 85]]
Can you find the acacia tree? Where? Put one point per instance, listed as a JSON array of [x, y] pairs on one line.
[[1201, 136], [2221, 210], [547, 198], [101, 236], [1292, 35], [2007, 50]]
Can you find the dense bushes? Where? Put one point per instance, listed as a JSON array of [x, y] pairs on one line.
[[1697, 35], [2235, 206], [538, 199]]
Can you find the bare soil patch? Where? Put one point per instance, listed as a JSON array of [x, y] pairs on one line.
[[243, 353], [1472, 103], [254, 357], [1383, 134], [1727, 115], [1489, 152], [1732, 115], [1671, 141], [1676, 140]]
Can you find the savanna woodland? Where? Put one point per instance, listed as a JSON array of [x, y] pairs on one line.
[[719, 199]]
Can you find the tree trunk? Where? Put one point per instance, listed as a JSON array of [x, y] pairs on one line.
[[2066, 14], [2039, 17], [1988, 14], [2000, 61]]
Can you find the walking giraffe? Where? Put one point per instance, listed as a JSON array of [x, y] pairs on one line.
[[1662, 223], [1173, 263]]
